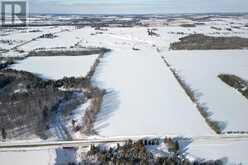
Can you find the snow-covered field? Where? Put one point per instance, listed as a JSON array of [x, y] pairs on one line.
[[200, 70], [232, 151], [37, 157], [142, 93], [155, 88], [20, 36], [57, 67], [153, 104], [66, 37], [143, 97]]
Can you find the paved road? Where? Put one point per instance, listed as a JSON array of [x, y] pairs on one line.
[[86, 142]]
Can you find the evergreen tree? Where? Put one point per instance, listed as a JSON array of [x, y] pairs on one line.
[[4, 134]]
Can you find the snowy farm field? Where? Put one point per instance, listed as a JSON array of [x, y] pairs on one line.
[[19, 36], [155, 93], [37, 156], [200, 70], [126, 86], [57, 67], [64, 37], [143, 98], [230, 151], [139, 85]]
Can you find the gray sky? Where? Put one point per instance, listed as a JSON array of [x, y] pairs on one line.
[[137, 6]]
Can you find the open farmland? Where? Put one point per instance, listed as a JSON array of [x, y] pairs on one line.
[[200, 70], [63, 38], [125, 81], [57, 67], [231, 151], [148, 103], [139, 99], [117, 74]]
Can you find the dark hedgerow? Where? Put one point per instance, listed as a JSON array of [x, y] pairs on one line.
[[203, 42]]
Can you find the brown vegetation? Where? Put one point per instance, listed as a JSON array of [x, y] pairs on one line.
[[188, 25], [69, 52], [89, 117], [202, 42], [96, 96]]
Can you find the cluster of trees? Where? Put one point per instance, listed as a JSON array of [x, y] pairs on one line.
[[28, 100], [25, 112], [173, 145], [48, 35], [30, 110], [130, 153], [137, 153], [203, 42], [151, 32], [73, 82]]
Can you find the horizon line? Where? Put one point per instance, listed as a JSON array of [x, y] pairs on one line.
[[186, 13]]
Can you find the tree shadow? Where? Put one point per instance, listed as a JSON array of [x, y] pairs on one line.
[[65, 156], [110, 104], [184, 144]]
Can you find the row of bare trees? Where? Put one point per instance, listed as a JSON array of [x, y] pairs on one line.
[[215, 125]]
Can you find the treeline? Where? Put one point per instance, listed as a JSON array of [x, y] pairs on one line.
[[235, 82], [82, 52], [215, 125], [203, 42], [66, 82], [89, 118], [95, 95]]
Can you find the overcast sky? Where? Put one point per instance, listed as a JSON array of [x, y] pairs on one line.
[[137, 6]]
